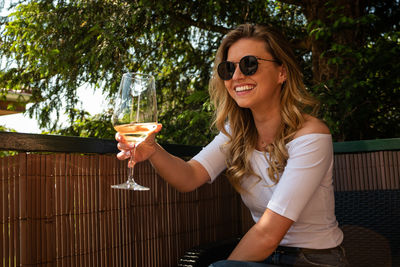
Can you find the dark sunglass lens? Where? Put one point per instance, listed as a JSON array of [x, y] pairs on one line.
[[226, 70], [248, 65]]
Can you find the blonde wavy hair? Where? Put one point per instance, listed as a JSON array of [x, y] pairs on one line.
[[294, 103]]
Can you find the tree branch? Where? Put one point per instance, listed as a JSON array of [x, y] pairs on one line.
[[301, 44], [293, 2], [199, 24]]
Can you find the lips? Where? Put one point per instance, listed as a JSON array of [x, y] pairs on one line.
[[243, 88]]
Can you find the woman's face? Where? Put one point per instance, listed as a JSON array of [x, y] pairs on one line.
[[260, 91]]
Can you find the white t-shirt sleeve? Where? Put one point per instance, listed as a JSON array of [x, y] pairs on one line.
[[310, 159], [212, 157]]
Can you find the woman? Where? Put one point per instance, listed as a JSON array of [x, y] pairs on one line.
[[275, 154]]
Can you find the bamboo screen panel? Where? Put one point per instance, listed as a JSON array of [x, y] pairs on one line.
[[378, 170], [59, 210]]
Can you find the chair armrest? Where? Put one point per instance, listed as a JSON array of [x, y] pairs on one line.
[[204, 255]]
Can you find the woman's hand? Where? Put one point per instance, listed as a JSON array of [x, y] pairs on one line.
[[143, 151]]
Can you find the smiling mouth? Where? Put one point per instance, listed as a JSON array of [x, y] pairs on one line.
[[244, 88]]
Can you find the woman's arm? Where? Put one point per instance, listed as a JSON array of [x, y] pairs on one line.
[[263, 238], [184, 176]]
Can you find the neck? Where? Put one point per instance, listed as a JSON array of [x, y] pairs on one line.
[[267, 125]]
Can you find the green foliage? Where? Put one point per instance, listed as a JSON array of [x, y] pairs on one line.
[[84, 125], [360, 99], [54, 47], [365, 103], [5, 129]]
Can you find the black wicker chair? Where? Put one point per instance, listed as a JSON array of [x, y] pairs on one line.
[[370, 221], [207, 254], [371, 224]]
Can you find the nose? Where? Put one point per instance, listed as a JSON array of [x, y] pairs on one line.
[[237, 75]]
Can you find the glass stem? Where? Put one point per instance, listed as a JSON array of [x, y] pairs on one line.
[[131, 169]]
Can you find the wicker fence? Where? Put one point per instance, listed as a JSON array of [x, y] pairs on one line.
[[57, 209]]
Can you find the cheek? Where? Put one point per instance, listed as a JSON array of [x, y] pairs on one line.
[[228, 85]]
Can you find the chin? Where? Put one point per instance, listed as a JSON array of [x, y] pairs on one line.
[[242, 105]]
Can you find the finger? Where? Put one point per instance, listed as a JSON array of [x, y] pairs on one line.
[[117, 136], [120, 138], [153, 133], [124, 155], [125, 146], [158, 128]]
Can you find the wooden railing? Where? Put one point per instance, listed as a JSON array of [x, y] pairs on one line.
[[57, 207]]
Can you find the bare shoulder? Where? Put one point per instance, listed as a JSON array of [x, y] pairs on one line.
[[312, 125]]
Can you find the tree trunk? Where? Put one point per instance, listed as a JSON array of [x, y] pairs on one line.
[[326, 13]]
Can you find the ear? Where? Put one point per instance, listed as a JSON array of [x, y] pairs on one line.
[[282, 74]]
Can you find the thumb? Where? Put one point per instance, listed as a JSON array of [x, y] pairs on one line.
[[158, 128], [152, 134]]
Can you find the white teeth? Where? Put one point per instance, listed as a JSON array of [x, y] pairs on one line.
[[243, 88]]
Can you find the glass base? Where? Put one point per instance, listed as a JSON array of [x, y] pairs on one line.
[[130, 186]]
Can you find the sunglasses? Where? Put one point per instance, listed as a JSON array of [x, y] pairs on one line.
[[248, 66]]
